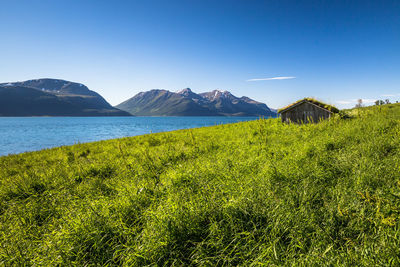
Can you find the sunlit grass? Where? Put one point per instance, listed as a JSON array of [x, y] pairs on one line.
[[249, 193]]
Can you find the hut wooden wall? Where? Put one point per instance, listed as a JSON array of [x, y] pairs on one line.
[[304, 113]]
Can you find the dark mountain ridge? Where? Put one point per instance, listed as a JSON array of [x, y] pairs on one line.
[[53, 97], [158, 102]]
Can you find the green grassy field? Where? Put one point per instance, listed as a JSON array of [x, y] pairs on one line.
[[250, 193]]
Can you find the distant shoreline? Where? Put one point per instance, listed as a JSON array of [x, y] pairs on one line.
[[22, 134]]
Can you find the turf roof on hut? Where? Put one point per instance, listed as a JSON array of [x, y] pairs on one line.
[[331, 108]]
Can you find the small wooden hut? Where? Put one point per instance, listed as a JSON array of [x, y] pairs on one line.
[[307, 110]]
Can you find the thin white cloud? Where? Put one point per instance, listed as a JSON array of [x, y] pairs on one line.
[[368, 101], [354, 101], [344, 102], [389, 95], [271, 78]]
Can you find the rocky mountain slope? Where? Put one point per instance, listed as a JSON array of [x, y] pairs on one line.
[[187, 103], [53, 97]]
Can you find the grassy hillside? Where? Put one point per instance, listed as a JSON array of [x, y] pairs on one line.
[[251, 193]]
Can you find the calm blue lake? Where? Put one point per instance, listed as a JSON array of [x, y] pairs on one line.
[[35, 133]]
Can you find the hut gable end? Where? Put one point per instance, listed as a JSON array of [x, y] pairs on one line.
[[304, 111]]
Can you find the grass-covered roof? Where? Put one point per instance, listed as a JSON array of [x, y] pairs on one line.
[[315, 102]]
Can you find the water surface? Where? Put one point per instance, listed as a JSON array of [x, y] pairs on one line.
[[21, 134]]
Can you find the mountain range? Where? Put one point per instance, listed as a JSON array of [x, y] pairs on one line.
[[159, 102], [53, 97]]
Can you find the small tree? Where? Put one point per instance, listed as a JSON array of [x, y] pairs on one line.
[[379, 102], [387, 101], [359, 103]]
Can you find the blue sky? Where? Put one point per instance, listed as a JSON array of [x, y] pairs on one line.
[[336, 51]]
